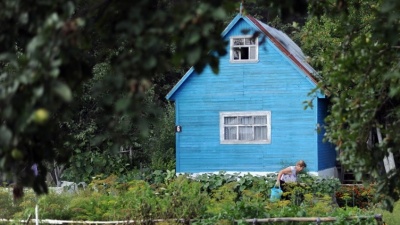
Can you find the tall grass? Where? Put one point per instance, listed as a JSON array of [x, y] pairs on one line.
[[391, 218]]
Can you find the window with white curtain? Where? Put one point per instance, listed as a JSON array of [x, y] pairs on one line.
[[244, 49], [245, 127]]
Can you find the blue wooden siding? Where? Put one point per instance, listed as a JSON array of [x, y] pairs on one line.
[[326, 151], [273, 84]]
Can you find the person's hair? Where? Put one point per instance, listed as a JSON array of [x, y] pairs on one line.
[[301, 163]]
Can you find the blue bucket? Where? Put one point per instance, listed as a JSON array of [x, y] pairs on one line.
[[276, 193]]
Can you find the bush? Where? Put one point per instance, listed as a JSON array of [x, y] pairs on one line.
[[8, 208], [355, 196], [55, 205]]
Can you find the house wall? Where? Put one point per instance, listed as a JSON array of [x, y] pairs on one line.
[[274, 84]]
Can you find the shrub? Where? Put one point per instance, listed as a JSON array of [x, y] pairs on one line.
[[223, 199], [185, 198], [138, 203], [8, 208], [355, 196], [84, 206], [55, 205]]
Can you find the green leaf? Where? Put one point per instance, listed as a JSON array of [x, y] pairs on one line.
[[150, 63], [219, 13], [35, 43], [193, 38], [38, 92], [62, 90], [194, 55], [122, 104], [5, 136], [89, 169]]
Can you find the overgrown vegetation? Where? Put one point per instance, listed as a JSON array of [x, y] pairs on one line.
[[110, 53], [206, 199]]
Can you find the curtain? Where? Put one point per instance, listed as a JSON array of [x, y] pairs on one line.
[[245, 128]]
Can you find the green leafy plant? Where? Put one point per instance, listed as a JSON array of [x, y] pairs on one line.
[[86, 164], [170, 197], [55, 205], [9, 208]]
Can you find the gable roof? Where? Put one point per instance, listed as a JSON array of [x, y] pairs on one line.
[[286, 45]]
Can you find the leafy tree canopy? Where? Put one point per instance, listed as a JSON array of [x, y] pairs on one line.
[[48, 48], [355, 46]]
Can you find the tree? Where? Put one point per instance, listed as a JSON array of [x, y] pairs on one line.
[[48, 49], [355, 44]]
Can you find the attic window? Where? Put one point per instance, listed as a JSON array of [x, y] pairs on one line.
[[245, 127], [244, 49]]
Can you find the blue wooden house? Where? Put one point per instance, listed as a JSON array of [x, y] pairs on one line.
[[251, 117]]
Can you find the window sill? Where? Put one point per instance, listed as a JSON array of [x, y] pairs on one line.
[[245, 142], [244, 61]]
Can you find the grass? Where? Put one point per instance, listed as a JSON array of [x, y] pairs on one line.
[[391, 218]]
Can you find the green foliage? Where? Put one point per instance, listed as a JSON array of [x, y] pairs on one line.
[[390, 217], [212, 181], [223, 199], [319, 204], [184, 197], [139, 202], [85, 165], [6, 204], [355, 195], [50, 48], [89, 206], [161, 177], [320, 185], [26, 206], [159, 145], [354, 47], [55, 205]]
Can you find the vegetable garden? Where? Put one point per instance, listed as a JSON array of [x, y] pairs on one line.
[[164, 198]]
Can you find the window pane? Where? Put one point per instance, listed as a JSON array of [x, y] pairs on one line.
[[250, 41], [252, 52], [230, 133], [244, 53], [260, 120], [231, 120], [236, 53], [238, 41], [245, 133], [245, 120], [260, 133]]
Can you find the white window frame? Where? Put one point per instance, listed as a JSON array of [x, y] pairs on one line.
[[251, 125], [248, 44]]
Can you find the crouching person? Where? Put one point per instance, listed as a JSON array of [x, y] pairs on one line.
[[289, 175]]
